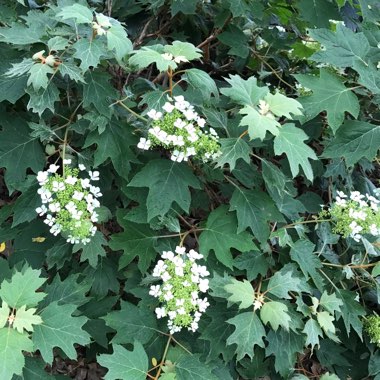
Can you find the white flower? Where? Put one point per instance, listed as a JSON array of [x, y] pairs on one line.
[[194, 326], [167, 56], [180, 302], [160, 312], [144, 144], [70, 180], [49, 220], [180, 250], [177, 156], [167, 255], [168, 107], [165, 276], [257, 304], [159, 269], [263, 107], [203, 305], [94, 217], [81, 167], [55, 229], [180, 58], [54, 207], [153, 114], [94, 175], [374, 230], [181, 311], [78, 195], [96, 191], [53, 168], [155, 291], [203, 285], [58, 186], [193, 255], [179, 123], [41, 210], [66, 161], [341, 194], [201, 122], [71, 207], [85, 183], [172, 314], [42, 177]]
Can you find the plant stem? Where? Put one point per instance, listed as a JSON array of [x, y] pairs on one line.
[[357, 266], [163, 357], [120, 102]]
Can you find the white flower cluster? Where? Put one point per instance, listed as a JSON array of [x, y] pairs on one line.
[[69, 202], [356, 214], [181, 130], [182, 280]]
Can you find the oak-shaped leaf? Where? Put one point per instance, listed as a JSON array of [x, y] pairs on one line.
[[21, 289], [330, 95], [289, 140], [137, 240], [220, 235], [353, 141], [59, 329], [168, 182], [276, 314], [125, 364], [131, 323], [249, 331], [12, 345]]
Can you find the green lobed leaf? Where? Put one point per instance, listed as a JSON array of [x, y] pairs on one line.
[[80, 13], [168, 182], [59, 329], [284, 360], [290, 141], [220, 235], [232, 150], [131, 323], [15, 141], [284, 281], [244, 92], [330, 95], [21, 289], [258, 124], [12, 345], [89, 52], [241, 292], [92, 250], [313, 332], [125, 364], [276, 314], [353, 141], [302, 252], [254, 209], [342, 48], [190, 367], [137, 240], [25, 319], [249, 331], [118, 41]]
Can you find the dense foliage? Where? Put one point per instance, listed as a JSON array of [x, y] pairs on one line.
[[189, 188]]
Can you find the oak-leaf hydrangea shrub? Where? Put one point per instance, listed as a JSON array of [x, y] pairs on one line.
[[239, 134]]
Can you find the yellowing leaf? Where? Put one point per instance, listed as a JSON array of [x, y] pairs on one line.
[[4, 314], [38, 239], [2, 247], [25, 319]]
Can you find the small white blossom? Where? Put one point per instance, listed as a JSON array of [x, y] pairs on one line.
[[144, 143], [53, 168], [81, 167], [67, 161], [94, 175], [153, 114]]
